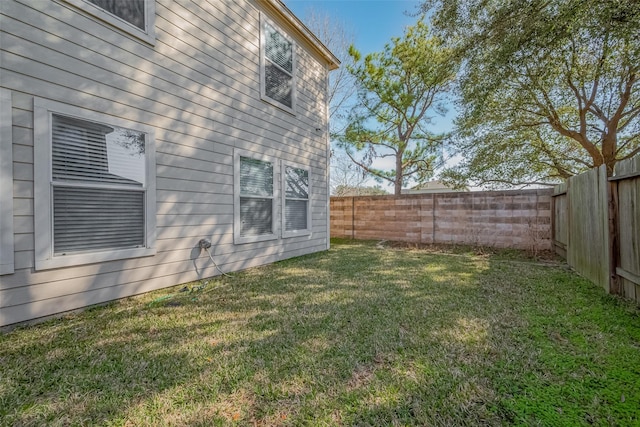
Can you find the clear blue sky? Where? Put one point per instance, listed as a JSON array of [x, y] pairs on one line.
[[372, 22]]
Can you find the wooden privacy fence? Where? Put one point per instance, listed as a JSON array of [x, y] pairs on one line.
[[596, 226], [507, 219]]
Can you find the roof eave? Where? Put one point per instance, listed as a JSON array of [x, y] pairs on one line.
[[279, 7]]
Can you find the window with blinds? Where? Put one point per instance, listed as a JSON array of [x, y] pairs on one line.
[[98, 180], [296, 208], [278, 66], [134, 17], [94, 186], [132, 11], [256, 197]]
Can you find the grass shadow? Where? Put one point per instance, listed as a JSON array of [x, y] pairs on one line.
[[361, 335]]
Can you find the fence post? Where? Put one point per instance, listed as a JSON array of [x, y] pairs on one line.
[[605, 206], [553, 221], [614, 247], [353, 218], [434, 199]]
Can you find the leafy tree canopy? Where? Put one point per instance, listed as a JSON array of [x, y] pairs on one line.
[[548, 88], [397, 88]]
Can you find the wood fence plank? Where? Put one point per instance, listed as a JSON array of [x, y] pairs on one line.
[[629, 226], [588, 249], [596, 225]]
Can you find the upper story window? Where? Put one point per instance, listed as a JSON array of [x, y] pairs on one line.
[[95, 187], [136, 17], [132, 11], [277, 67]]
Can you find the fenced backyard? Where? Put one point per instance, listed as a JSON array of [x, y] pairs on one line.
[[591, 220], [365, 334], [519, 219]]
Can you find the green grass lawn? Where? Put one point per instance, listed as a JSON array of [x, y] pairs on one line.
[[359, 335]]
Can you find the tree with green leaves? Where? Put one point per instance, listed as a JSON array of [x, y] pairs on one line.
[[548, 88], [397, 90]]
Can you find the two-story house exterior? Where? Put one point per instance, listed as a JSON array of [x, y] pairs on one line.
[[130, 130]]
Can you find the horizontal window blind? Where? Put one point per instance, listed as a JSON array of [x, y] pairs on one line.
[[278, 85], [295, 212], [256, 177], [88, 219], [278, 67], [278, 49], [256, 197], [256, 216], [90, 152], [98, 184], [131, 11], [296, 182]]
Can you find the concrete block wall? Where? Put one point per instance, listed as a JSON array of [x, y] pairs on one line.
[[519, 219]]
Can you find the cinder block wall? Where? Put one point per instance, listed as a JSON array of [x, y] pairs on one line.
[[518, 219]]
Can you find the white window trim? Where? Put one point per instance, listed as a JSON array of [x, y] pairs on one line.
[[6, 184], [237, 238], [147, 35], [43, 203], [294, 83], [295, 233]]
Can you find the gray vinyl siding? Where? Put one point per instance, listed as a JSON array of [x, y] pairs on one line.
[[201, 95]]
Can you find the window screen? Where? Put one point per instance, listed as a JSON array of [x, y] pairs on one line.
[[131, 11], [296, 209], [98, 179], [92, 219], [278, 66], [256, 197]]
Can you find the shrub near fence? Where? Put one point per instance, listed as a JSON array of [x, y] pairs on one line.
[[505, 219]]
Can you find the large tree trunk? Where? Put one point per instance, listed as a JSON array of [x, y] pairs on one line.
[[609, 145], [398, 181]]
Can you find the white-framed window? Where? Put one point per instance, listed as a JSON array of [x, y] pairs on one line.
[[94, 187], [255, 196], [296, 200], [277, 67], [6, 184], [136, 17]]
